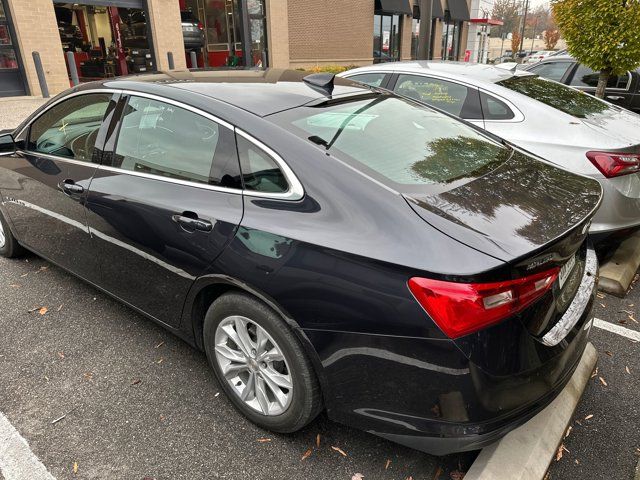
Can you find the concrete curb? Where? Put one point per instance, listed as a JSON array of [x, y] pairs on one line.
[[617, 274], [526, 452]]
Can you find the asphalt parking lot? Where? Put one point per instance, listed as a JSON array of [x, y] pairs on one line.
[[140, 403]]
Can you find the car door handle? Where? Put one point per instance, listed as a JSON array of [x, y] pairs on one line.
[[70, 187], [190, 221], [614, 97]]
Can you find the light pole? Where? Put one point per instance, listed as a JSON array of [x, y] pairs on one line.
[[524, 22]]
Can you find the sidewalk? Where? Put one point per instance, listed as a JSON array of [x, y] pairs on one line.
[[15, 109]]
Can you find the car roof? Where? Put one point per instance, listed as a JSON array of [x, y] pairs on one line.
[[480, 73], [261, 92]]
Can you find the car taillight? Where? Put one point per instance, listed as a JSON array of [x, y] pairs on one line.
[[200, 26], [614, 164], [463, 308]]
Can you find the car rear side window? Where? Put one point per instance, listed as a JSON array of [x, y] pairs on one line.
[[395, 141], [260, 172], [451, 97], [552, 70], [556, 95], [494, 109], [69, 129], [373, 79], [161, 139], [586, 77]]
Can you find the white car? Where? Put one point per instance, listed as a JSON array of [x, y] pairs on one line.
[[564, 126], [537, 56]]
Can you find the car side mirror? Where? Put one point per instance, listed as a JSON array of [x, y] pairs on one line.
[[7, 144]]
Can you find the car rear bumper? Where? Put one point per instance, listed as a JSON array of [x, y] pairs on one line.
[[620, 207], [439, 396]]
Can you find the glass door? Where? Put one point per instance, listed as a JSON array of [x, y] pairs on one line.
[[11, 77], [386, 38]]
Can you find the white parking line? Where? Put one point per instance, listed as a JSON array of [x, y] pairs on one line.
[[613, 328], [17, 461]]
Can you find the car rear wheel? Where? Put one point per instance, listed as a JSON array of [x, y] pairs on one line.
[[260, 363], [9, 246]]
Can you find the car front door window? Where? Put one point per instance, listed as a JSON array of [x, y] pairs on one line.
[[586, 77], [70, 128], [552, 70]]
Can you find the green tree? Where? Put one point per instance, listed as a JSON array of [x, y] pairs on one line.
[[602, 34]]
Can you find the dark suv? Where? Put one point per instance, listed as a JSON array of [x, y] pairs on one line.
[[622, 90]]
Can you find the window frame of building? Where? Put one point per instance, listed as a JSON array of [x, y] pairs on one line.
[[455, 27], [395, 22], [15, 76]]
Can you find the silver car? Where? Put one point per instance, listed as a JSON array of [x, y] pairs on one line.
[[562, 125]]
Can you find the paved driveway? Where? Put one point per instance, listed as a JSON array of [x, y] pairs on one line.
[[140, 403]]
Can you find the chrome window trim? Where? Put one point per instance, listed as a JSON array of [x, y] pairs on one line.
[[62, 99], [295, 191]]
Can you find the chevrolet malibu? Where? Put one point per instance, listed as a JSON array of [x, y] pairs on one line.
[[328, 245]]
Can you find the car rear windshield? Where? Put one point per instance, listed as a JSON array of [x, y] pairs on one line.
[[563, 98], [187, 16], [396, 141]]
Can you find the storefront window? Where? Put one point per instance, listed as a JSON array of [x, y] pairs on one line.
[[386, 38], [451, 39]]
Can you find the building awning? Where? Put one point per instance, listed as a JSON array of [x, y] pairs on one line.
[[402, 7], [458, 10], [436, 9], [106, 3]]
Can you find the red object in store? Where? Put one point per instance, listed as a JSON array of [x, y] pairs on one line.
[[121, 58]]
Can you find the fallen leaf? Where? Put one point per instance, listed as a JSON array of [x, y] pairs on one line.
[[43, 310], [264, 440], [318, 440], [160, 361], [136, 381], [627, 369], [159, 345], [608, 353], [60, 307], [75, 467], [339, 450], [588, 417], [595, 372], [602, 381], [457, 475], [61, 355], [14, 285], [357, 476], [88, 376], [306, 455], [632, 319], [568, 431], [438, 473], [603, 305], [622, 321], [162, 417], [42, 269], [560, 451], [31, 310], [24, 275], [577, 462], [386, 465], [599, 295]]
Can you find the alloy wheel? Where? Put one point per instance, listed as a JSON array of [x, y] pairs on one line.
[[254, 366]]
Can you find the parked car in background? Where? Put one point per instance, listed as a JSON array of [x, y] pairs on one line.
[[535, 57], [192, 31], [622, 90], [560, 124], [328, 245]]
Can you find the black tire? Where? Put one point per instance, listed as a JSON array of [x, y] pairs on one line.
[[306, 401], [10, 248]]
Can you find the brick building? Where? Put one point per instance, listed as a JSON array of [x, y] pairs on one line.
[[105, 38]]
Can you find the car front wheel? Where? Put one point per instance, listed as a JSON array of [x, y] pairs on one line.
[[260, 363]]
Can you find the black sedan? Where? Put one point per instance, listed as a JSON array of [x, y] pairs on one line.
[[327, 244]]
